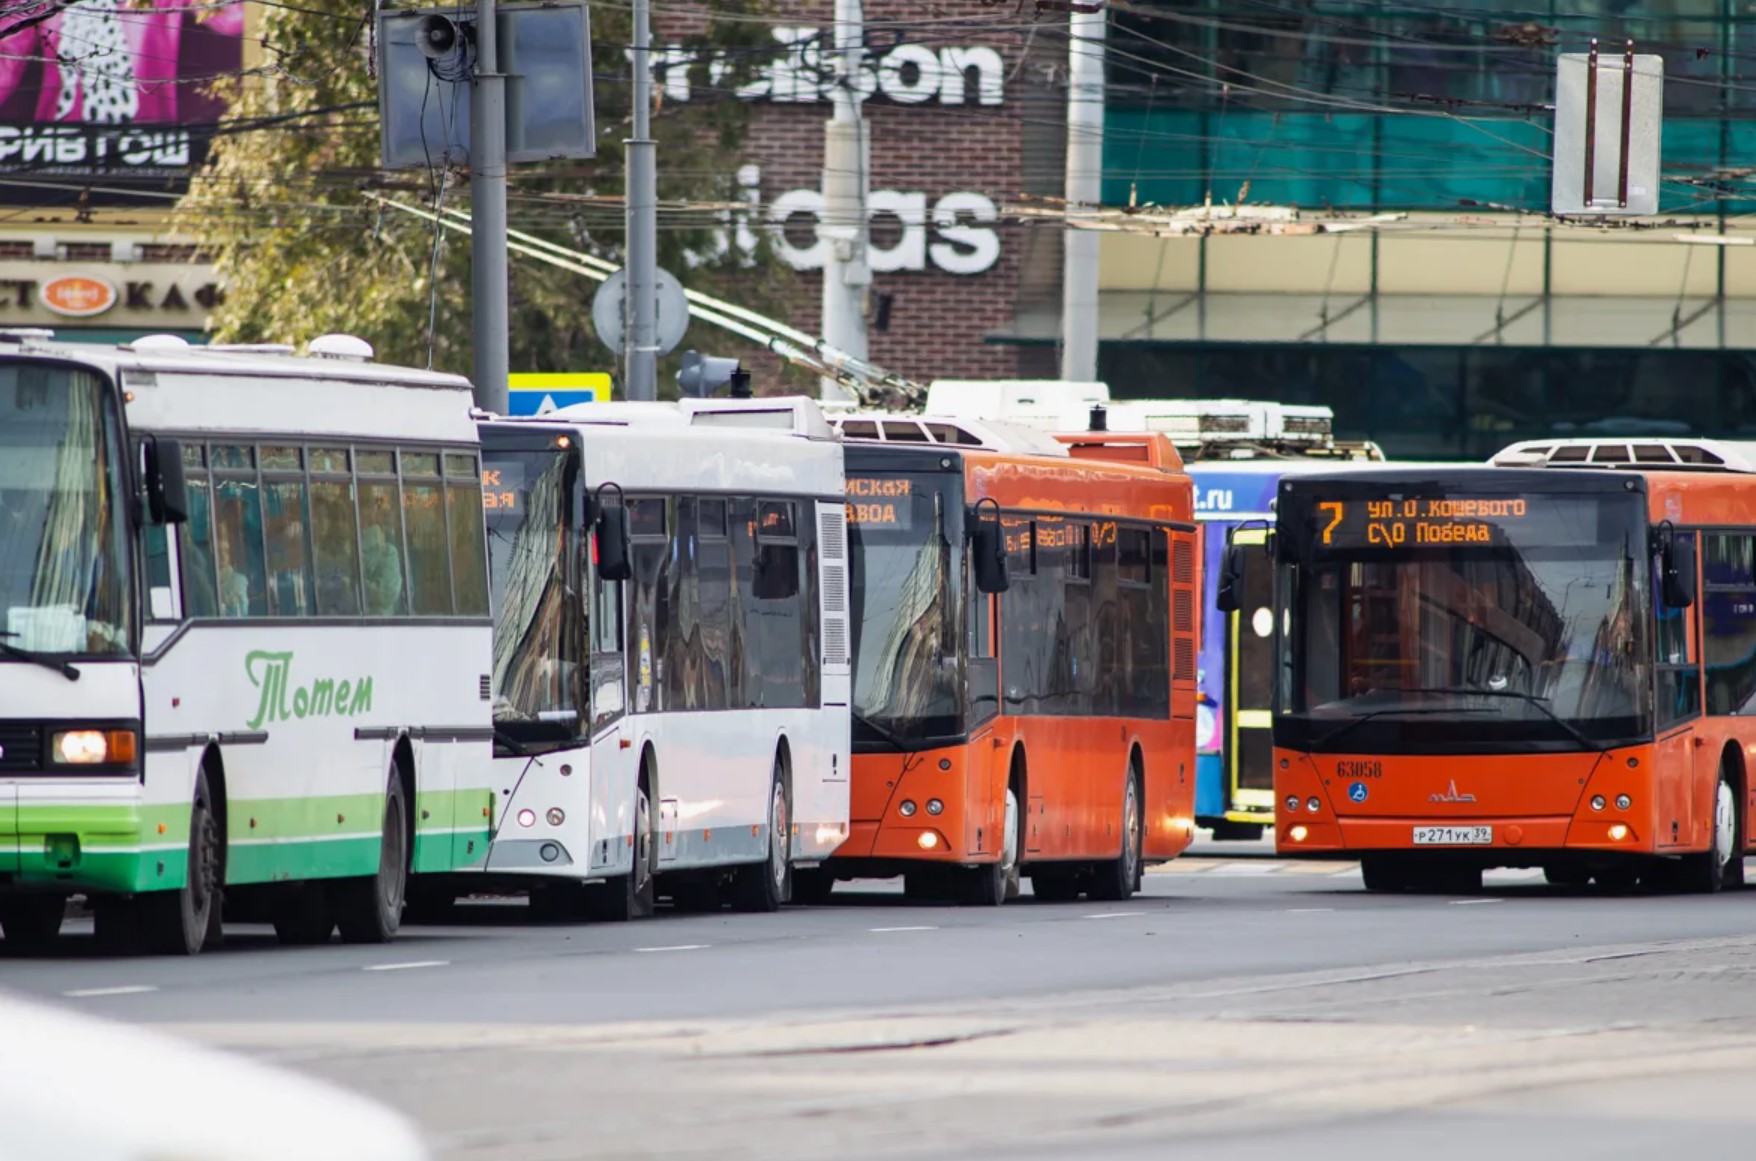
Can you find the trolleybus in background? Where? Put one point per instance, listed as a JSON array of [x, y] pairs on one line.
[[245, 638], [1542, 663], [670, 654], [1024, 619]]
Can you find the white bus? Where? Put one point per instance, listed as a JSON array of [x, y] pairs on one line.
[[279, 710], [670, 655]]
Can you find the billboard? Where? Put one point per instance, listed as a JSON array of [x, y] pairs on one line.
[[111, 100]]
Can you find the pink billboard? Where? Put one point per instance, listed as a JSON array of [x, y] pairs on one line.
[[115, 94]]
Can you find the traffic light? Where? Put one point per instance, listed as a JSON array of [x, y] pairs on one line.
[[702, 375]]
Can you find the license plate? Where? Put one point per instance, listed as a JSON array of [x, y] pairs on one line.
[[1454, 836]]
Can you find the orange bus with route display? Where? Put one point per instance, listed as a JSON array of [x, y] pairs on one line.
[[1546, 662], [1023, 611]]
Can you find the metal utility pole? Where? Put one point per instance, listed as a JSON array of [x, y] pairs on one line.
[[640, 307], [487, 191], [846, 178], [1085, 162]]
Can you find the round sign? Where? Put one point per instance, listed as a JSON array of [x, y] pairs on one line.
[[673, 311], [77, 295]]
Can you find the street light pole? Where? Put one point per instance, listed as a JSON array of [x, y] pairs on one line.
[[1085, 163], [487, 187], [640, 195], [846, 272]]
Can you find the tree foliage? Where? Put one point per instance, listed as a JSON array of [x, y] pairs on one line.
[[286, 202]]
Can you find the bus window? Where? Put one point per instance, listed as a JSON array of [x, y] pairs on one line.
[[243, 581], [336, 542], [1728, 612], [429, 570], [285, 525], [463, 511], [381, 539], [1678, 663]]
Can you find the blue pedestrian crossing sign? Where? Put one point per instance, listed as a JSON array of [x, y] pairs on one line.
[[543, 392]]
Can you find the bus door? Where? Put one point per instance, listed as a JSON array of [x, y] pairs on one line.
[[1677, 678], [1249, 748]]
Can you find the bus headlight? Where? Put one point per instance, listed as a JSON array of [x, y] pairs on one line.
[[1313, 805], [527, 817], [1597, 802], [934, 806], [907, 809], [1623, 802], [1292, 802], [556, 818], [92, 747]]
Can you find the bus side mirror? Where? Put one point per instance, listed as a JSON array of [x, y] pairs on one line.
[[988, 552], [612, 543], [1231, 579], [1677, 561], [167, 490]]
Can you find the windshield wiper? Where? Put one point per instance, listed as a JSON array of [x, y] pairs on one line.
[[1338, 731], [513, 744], [884, 734], [64, 668], [1540, 702]]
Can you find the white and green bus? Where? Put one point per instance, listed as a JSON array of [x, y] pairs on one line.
[[244, 638]]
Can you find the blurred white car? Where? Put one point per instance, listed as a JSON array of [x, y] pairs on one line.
[[72, 1086]]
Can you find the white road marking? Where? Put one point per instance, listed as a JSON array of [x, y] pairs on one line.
[[125, 990], [1111, 915], [402, 967], [1471, 902], [1309, 910], [886, 929], [677, 947]]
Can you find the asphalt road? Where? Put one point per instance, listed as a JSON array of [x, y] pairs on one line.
[[1249, 1005]]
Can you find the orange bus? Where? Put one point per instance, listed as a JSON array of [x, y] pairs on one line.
[[1023, 617], [1530, 664]]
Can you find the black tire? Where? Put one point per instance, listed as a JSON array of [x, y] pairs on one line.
[[1117, 879], [768, 885], [1060, 885], [31, 922], [1713, 870], [184, 921], [631, 896], [995, 883], [368, 909], [303, 918], [814, 886]]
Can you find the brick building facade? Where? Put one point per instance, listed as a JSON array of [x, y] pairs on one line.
[[966, 113]]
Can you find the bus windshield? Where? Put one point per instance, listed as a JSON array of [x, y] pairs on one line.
[[539, 620], [906, 532], [1519, 634], [65, 582]]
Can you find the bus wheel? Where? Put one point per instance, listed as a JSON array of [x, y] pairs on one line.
[[766, 885], [31, 922], [1712, 870], [184, 921], [368, 909], [1116, 879], [994, 883], [813, 886], [630, 896]]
